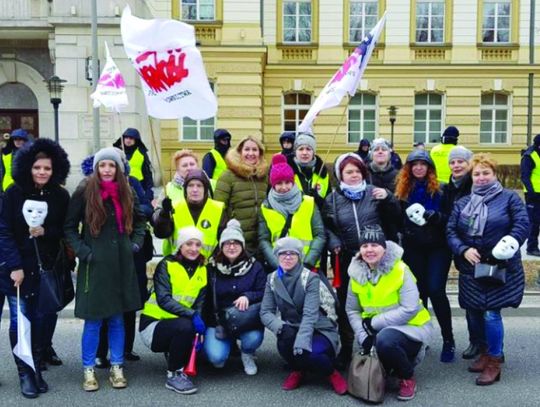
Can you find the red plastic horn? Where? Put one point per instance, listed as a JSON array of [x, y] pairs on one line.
[[191, 368], [336, 282]]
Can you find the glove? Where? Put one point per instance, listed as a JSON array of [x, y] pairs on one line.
[[366, 324], [166, 205], [135, 247], [415, 213], [368, 344], [198, 324], [431, 216], [506, 248]]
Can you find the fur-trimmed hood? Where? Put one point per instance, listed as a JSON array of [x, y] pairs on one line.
[[240, 168], [360, 272], [25, 158]]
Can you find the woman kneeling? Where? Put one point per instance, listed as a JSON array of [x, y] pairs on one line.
[[307, 335], [172, 316], [384, 308]]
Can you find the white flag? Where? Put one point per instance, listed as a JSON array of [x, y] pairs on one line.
[[23, 349], [346, 79], [171, 68], [111, 87]]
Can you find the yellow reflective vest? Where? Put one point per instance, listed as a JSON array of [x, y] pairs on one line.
[[535, 174], [439, 154], [300, 223], [208, 224], [185, 290], [175, 193], [318, 183], [7, 180], [384, 296], [136, 164], [221, 165]]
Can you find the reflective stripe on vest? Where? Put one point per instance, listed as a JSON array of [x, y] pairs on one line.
[[175, 193], [184, 290], [221, 165], [135, 165], [7, 180], [384, 296], [319, 184], [300, 223], [439, 154], [208, 224], [535, 174]]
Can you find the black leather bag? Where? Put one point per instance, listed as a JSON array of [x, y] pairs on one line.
[[237, 322], [493, 274]]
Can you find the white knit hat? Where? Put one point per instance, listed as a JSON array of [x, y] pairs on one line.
[[188, 233]]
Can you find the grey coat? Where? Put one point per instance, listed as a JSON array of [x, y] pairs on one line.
[[303, 311], [409, 301]]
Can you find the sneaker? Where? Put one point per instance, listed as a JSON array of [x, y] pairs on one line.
[[249, 364], [292, 381], [338, 382], [407, 389], [180, 383], [448, 352], [117, 378], [90, 382]]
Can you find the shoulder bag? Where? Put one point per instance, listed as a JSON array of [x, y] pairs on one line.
[[366, 379]]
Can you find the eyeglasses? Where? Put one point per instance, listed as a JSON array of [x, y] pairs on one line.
[[287, 254], [232, 243]]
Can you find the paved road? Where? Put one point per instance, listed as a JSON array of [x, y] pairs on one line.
[[439, 385]]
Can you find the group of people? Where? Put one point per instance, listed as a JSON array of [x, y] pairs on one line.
[[249, 246]]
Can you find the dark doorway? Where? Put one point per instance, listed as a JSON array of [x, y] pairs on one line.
[[11, 119]]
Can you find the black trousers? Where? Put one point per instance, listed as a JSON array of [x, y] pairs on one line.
[[174, 336], [346, 333], [397, 352]]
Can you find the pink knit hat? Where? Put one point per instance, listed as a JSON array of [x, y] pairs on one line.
[[281, 171]]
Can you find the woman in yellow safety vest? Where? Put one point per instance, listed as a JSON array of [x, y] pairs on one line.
[[17, 139], [172, 315], [384, 308], [288, 212], [183, 161]]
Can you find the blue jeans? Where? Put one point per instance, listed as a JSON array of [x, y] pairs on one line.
[[217, 350], [491, 320], [90, 340]]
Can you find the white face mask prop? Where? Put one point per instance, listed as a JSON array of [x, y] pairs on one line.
[[415, 213], [34, 212], [506, 248]]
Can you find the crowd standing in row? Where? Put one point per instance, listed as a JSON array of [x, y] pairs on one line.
[[247, 245]]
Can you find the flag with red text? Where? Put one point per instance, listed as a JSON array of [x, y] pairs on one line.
[[111, 87], [170, 66], [346, 79]]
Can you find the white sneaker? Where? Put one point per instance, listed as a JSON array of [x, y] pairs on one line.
[[249, 364]]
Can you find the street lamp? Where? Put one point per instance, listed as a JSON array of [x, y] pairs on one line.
[[392, 113], [54, 84]]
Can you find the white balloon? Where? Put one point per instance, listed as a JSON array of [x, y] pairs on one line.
[[415, 213], [34, 212], [506, 248]]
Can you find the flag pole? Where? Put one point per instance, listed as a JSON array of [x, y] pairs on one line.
[[336, 133], [120, 128], [158, 157]]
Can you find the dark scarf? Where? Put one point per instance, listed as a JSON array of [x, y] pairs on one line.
[[420, 194]]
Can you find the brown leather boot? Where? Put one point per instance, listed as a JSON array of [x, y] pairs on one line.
[[491, 373], [479, 364]]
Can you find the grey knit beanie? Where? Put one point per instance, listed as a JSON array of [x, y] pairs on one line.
[[108, 153], [233, 231], [460, 152], [380, 142], [289, 244], [305, 139]]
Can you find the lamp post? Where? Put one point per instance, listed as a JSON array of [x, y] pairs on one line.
[[55, 86], [392, 113]]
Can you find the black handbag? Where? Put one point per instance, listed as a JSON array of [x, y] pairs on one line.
[[237, 322], [494, 274], [50, 296]]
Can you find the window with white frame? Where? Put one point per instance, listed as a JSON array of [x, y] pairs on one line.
[[363, 16], [494, 118], [198, 10], [496, 21], [430, 21], [297, 21], [362, 117], [295, 108], [428, 113], [198, 130]]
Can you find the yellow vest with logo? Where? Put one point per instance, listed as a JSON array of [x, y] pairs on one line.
[[136, 164], [535, 174], [7, 180], [439, 154], [207, 223], [184, 290], [318, 183], [221, 165], [300, 223], [384, 296]]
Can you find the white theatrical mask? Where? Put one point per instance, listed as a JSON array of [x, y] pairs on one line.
[[34, 212], [506, 248], [415, 213]]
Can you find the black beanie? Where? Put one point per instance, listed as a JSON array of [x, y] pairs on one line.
[[372, 234], [450, 134], [536, 141]]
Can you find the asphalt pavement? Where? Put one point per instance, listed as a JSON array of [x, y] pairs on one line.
[[438, 384]]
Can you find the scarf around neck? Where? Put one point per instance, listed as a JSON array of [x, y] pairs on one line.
[[476, 210], [378, 168], [287, 203], [309, 165], [420, 194], [178, 180], [353, 192], [109, 189], [238, 269]]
